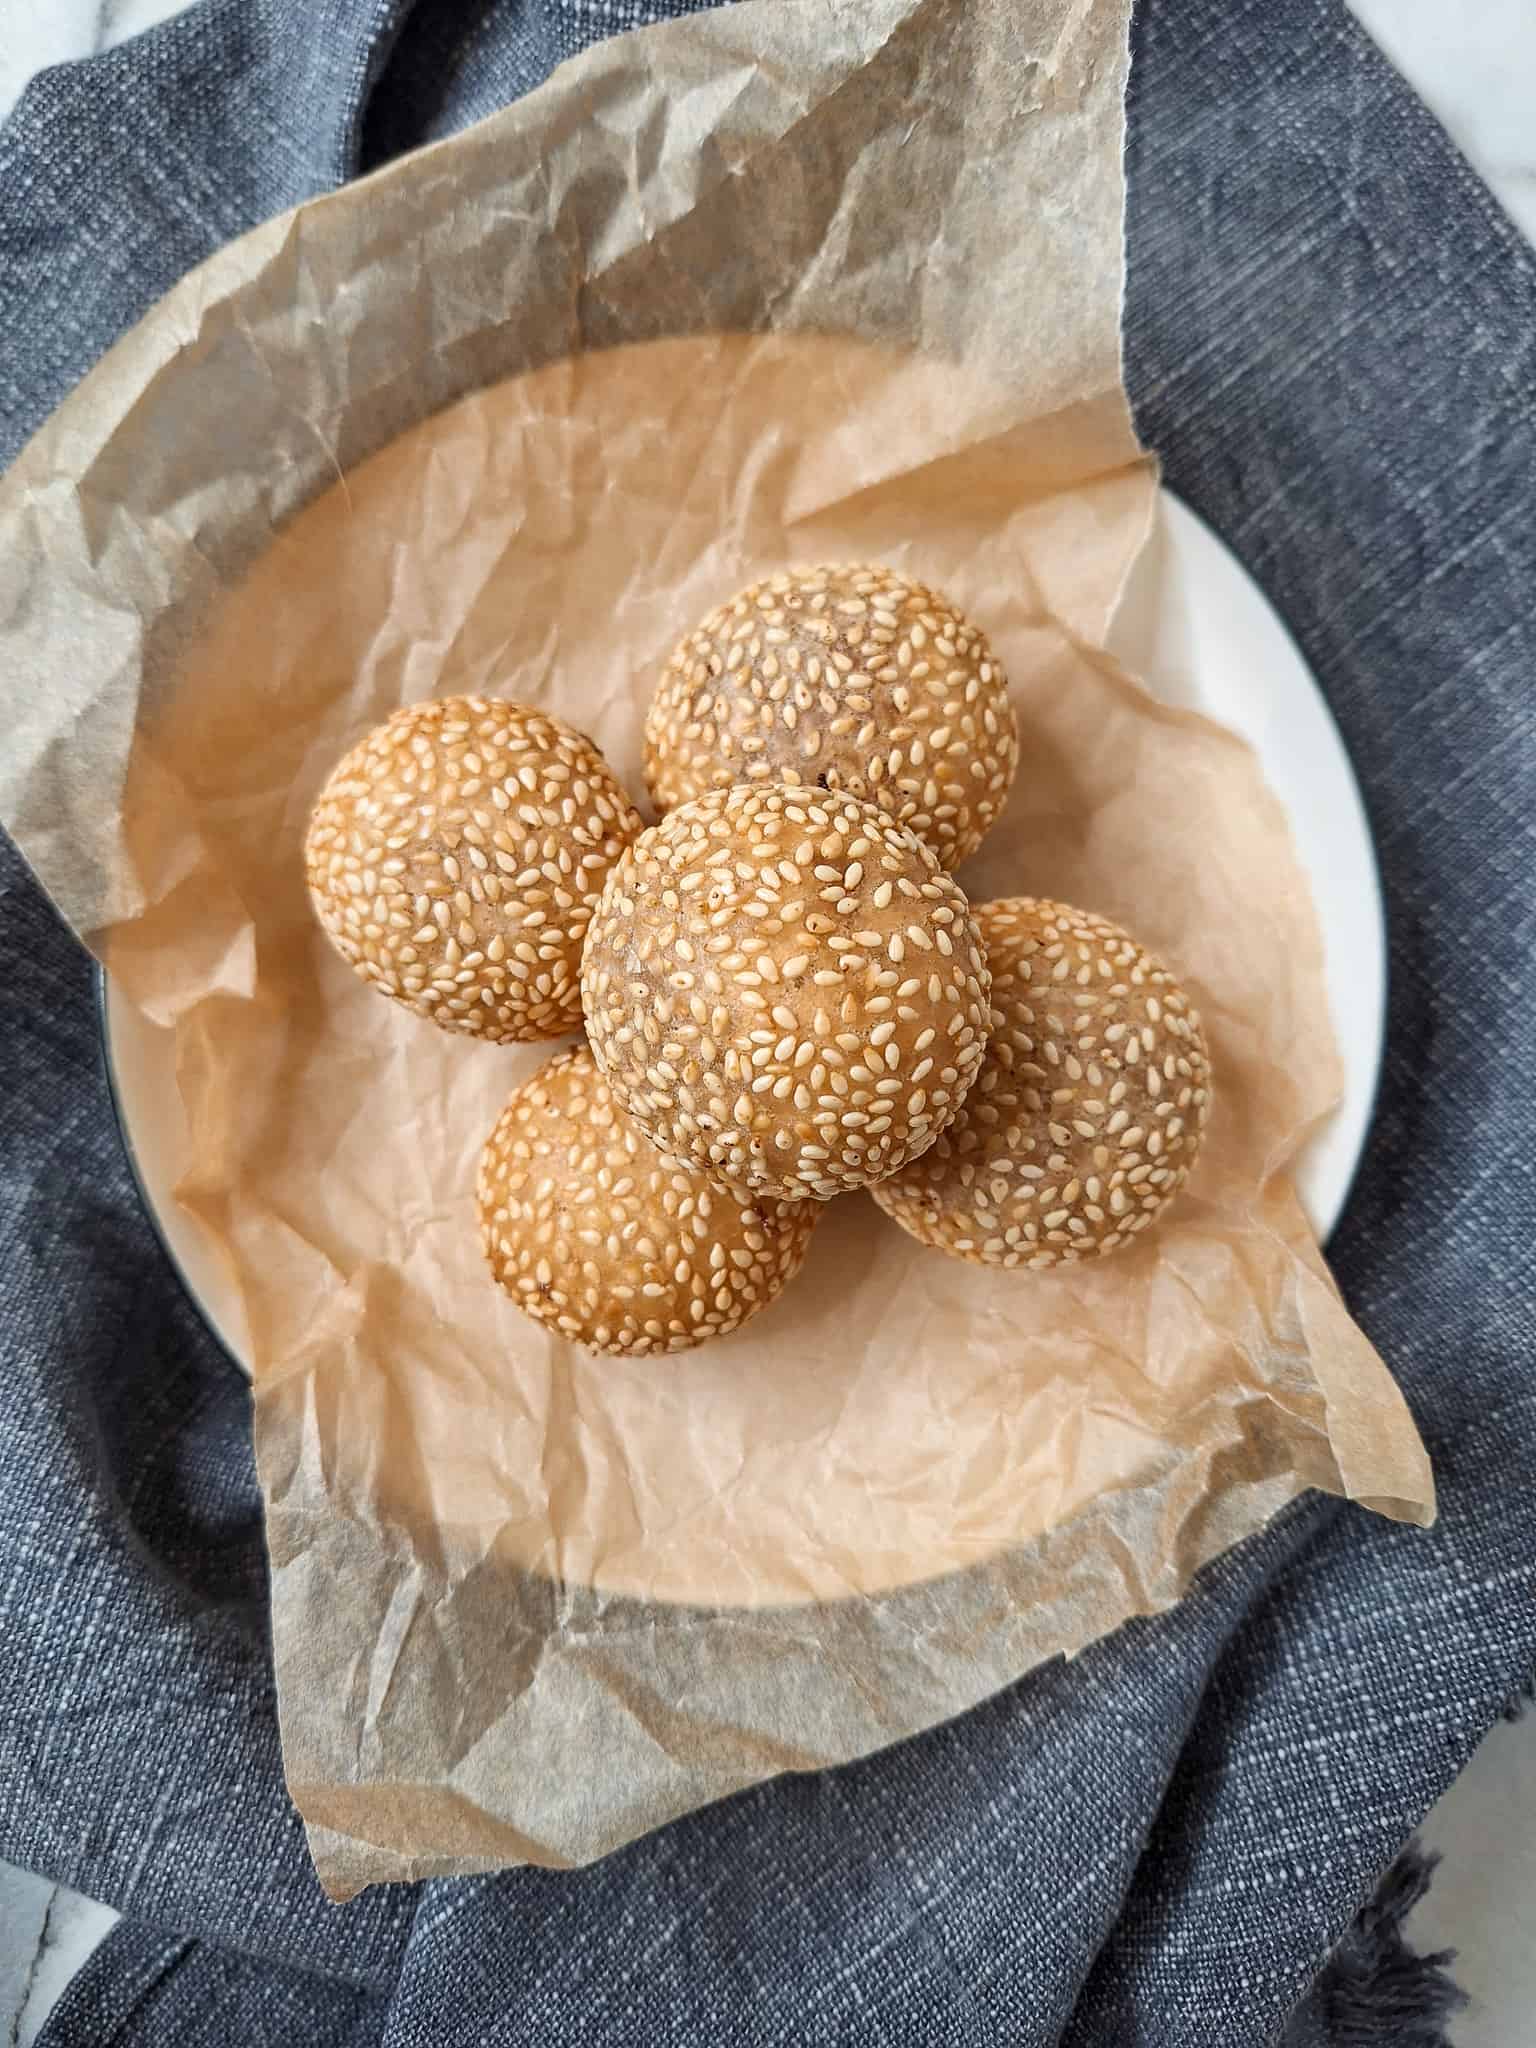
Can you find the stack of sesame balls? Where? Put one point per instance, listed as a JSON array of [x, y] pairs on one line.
[[785, 995]]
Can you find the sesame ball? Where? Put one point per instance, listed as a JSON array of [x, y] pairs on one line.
[[784, 989], [596, 1235], [1090, 1106], [848, 679], [454, 858]]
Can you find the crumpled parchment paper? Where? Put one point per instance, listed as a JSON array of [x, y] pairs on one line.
[[802, 279]]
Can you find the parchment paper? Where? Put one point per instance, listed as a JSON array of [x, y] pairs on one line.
[[834, 278]]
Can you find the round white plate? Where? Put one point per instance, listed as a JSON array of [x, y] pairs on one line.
[[1201, 633]]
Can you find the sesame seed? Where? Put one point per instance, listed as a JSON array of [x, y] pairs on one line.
[[611, 1245], [856, 636], [837, 1033], [1116, 1154], [448, 937]]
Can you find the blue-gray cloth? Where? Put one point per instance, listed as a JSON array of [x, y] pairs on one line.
[[1331, 340]]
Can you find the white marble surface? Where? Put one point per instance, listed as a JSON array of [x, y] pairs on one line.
[[1483, 1900], [36, 33], [46, 1933], [1475, 65]]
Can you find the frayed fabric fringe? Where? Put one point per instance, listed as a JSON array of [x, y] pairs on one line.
[[1374, 1991]]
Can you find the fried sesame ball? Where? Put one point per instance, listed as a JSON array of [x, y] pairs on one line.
[[843, 678], [1090, 1106], [784, 989], [454, 858], [596, 1235]]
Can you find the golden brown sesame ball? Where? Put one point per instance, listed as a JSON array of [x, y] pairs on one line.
[[784, 988], [841, 678], [1088, 1112], [593, 1233], [454, 858]]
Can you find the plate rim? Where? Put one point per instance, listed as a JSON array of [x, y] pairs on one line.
[[1371, 1088], [147, 1204]]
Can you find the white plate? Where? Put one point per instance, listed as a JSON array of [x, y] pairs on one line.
[[1196, 626], [1198, 629]]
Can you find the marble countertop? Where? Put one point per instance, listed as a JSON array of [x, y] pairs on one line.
[[1475, 66]]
